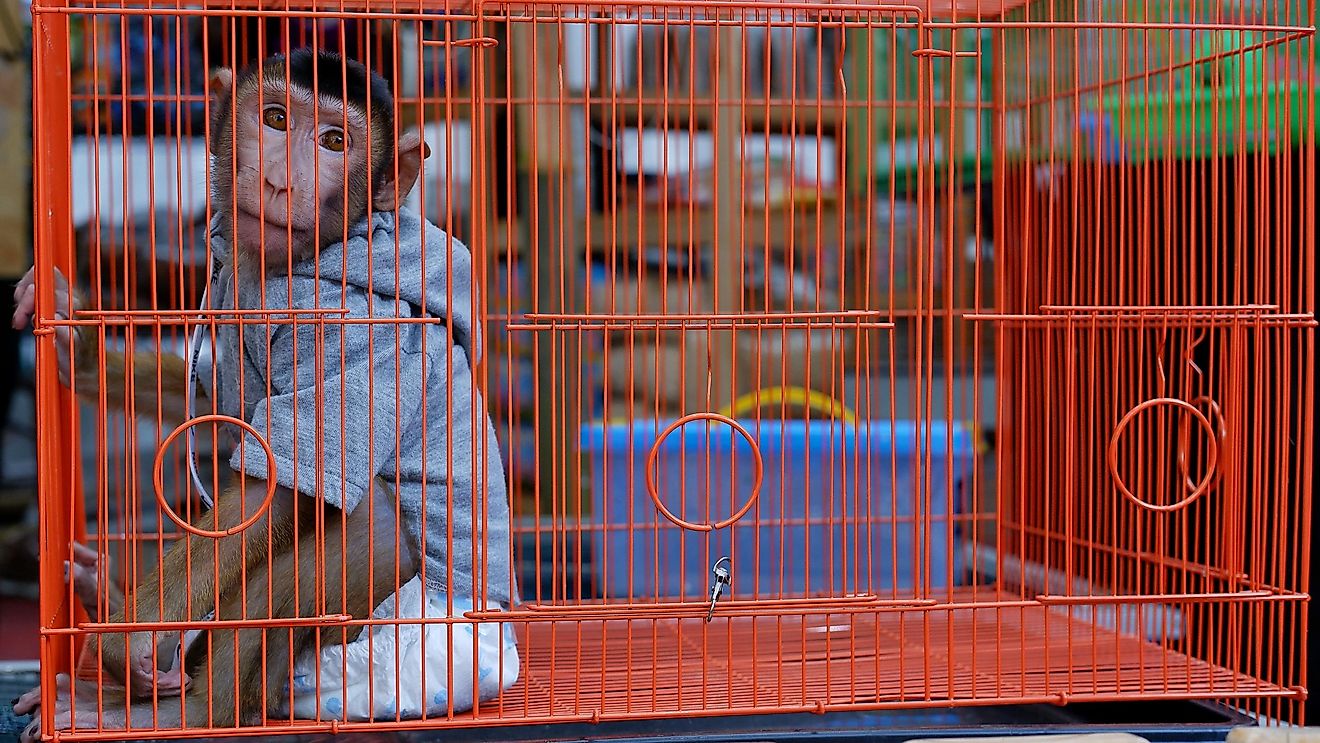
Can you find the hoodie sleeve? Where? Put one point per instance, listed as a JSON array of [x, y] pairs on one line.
[[340, 396]]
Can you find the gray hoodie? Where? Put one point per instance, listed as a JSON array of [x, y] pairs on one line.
[[326, 392]]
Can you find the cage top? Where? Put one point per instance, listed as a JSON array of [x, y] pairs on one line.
[[962, 10]]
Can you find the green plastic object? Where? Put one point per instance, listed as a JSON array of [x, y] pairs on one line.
[[1223, 64], [1221, 105]]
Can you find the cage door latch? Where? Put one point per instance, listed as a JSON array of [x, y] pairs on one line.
[[717, 588], [944, 53]]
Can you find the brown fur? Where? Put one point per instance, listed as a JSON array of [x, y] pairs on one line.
[[152, 391]]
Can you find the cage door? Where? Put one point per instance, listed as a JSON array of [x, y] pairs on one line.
[[685, 330]]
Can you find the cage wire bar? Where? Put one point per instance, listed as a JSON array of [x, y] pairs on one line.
[[974, 340]]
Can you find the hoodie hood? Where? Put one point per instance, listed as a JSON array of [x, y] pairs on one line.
[[405, 258]]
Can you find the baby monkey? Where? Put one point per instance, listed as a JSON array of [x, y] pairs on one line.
[[360, 384]]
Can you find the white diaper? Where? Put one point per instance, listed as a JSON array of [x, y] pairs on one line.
[[358, 681]]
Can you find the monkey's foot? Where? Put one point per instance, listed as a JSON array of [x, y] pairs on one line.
[[27, 703], [83, 573], [100, 708], [173, 681], [145, 677], [30, 704]]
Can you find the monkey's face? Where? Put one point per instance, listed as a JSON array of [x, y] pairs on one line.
[[296, 163], [304, 147]]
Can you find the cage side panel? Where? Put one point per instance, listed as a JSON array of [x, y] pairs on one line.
[[1156, 288], [58, 473]]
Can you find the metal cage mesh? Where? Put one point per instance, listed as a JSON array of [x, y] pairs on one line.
[[977, 337]]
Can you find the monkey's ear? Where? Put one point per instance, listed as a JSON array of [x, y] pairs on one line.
[[222, 87], [222, 83], [412, 150]]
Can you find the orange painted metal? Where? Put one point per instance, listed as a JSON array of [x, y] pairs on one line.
[[1037, 359]]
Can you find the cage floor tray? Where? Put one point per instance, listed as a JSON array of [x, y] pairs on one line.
[[624, 668], [600, 670]]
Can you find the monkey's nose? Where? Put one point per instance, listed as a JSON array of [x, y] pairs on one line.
[[277, 178]]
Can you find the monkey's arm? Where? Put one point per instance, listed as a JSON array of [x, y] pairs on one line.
[[159, 384], [159, 381]]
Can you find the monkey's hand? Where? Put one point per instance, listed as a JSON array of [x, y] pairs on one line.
[[110, 650], [66, 302], [137, 654]]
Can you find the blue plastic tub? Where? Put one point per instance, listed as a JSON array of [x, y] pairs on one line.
[[843, 508]]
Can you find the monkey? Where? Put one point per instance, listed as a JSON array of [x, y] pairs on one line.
[[378, 433]]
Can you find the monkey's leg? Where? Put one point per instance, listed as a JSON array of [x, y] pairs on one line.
[[194, 571], [350, 587], [229, 666], [226, 664], [248, 670]]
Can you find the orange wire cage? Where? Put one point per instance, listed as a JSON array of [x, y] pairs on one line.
[[971, 342]]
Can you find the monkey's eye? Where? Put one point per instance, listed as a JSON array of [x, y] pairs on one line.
[[333, 140], [274, 118]]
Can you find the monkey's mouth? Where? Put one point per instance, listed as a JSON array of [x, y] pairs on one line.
[[272, 219]]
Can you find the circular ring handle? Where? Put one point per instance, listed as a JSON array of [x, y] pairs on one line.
[[1201, 487], [159, 481], [1222, 434], [655, 449]]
